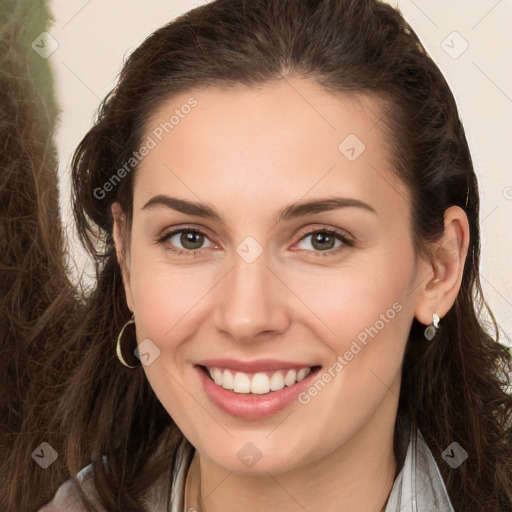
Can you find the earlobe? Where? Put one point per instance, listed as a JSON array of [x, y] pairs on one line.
[[438, 292]]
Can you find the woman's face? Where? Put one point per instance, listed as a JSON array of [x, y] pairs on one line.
[[270, 235]]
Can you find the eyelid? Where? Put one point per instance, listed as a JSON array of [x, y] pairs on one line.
[[326, 229], [166, 235], [343, 236], [346, 239]]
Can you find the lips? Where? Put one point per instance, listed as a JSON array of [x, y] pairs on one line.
[[254, 389]]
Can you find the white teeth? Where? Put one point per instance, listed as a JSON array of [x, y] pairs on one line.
[[242, 383], [277, 381], [260, 383], [227, 380], [216, 375], [290, 378], [303, 373]]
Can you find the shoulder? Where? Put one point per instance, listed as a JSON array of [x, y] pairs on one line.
[[68, 498]]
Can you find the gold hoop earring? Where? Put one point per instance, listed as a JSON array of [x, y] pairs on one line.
[[432, 329], [118, 344]]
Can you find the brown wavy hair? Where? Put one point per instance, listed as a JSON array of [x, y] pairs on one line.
[[38, 303], [454, 388]]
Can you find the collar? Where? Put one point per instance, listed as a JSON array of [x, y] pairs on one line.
[[419, 485]]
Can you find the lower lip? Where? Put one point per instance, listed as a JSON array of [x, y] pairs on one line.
[[253, 406]]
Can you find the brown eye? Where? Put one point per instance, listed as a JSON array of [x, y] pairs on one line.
[[185, 241], [324, 242], [191, 240]]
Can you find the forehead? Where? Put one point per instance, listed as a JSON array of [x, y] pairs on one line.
[[276, 142]]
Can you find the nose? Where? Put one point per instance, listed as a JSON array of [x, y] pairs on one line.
[[251, 303]]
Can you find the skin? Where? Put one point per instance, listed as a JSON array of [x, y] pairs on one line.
[[248, 152]]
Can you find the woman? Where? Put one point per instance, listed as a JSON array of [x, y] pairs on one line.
[[284, 214]]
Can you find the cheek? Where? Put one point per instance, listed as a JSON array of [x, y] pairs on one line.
[[167, 301], [365, 312], [363, 300], [165, 295], [369, 317]]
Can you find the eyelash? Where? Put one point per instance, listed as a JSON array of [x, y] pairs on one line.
[[347, 242]]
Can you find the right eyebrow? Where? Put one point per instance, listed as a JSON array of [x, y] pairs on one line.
[[183, 206]]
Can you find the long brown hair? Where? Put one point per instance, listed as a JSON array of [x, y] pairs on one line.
[[453, 388], [38, 303]]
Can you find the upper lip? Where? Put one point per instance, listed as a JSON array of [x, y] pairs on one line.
[[258, 365]]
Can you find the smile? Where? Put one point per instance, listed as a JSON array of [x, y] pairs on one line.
[[259, 392], [259, 383]]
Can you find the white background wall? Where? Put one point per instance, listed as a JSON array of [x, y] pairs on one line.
[[94, 36]]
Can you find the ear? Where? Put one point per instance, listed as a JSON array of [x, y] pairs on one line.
[[119, 234], [437, 292]]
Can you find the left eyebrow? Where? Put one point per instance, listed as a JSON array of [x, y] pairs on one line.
[[292, 211], [302, 209]]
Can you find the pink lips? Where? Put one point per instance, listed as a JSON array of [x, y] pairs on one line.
[[251, 406]]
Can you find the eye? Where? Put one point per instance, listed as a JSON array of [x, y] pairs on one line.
[[188, 241], [323, 241]]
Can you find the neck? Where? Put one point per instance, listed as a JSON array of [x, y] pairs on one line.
[[357, 476]]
